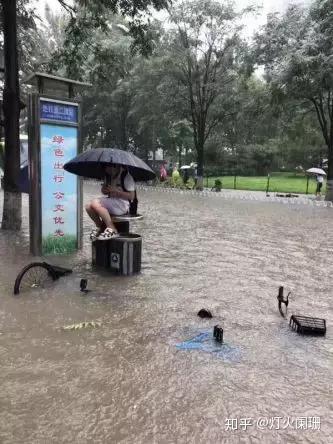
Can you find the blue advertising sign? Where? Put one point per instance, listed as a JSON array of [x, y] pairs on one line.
[[59, 111], [59, 196]]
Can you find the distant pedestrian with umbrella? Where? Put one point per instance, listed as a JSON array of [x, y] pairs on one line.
[[319, 173], [119, 169], [320, 181], [185, 169], [163, 173]]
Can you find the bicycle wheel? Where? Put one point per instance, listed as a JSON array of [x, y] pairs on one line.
[[34, 276]]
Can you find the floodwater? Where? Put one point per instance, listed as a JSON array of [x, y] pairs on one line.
[[126, 381]]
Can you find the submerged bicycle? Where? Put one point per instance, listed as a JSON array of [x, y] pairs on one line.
[[38, 275]]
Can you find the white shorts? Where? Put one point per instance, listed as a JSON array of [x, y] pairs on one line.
[[115, 206]]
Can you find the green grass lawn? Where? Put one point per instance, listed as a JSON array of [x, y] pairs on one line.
[[286, 183], [59, 245]]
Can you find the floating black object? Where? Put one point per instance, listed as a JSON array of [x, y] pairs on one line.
[[306, 325], [218, 333], [281, 300], [203, 313], [83, 285], [60, 271], [286, 195]]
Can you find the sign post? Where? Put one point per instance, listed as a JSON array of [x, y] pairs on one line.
[[55, 206]]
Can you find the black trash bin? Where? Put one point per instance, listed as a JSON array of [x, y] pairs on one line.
[[100, 253], [125, 254], [120, 255]]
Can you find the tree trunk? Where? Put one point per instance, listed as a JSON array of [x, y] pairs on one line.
[[154, 142], [329, 183], [123, 131], [200, 146], [12, 209], [200, 167], [180, 148]]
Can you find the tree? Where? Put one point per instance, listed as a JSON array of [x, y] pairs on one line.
[[50, 37], [87, 16], [250, 122], [18, 25], [149, 111], [108, 65], [297, 52], [257, 124], [128, 105], [84, 16], [203, 59]]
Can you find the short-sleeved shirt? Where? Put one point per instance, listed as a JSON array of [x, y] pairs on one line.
[[320, 178]]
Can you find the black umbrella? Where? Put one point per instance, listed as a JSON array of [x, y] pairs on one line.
[[91, 164]]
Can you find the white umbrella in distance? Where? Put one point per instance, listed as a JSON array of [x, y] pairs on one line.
[[316, 171]]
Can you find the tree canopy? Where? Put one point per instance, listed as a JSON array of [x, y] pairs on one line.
[[297, 53], [193, 88]]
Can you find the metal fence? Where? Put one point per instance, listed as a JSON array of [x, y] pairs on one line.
[[274, 182]]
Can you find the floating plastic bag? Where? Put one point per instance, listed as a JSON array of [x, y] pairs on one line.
[[204, 341]]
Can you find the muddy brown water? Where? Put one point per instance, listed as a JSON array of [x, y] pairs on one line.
[[126, 382]]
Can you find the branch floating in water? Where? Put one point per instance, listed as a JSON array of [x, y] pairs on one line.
[[81, 325]]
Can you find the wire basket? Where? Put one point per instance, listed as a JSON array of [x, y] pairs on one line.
[[306, 325]]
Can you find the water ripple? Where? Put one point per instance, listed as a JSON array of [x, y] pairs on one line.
[[126, 381]]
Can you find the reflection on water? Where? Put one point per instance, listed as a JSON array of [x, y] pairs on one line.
[[126, 381]]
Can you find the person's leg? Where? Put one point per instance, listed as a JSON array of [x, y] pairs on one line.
[[104, 214], [93, 215], [99, 225]]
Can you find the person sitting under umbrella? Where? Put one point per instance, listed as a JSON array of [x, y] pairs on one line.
[[114, 203]]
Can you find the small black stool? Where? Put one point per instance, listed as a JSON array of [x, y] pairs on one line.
[[122, 222]]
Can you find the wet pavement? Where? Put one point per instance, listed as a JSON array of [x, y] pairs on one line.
[[126, 381]]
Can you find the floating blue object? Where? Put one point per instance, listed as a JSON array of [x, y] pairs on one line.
[[205, 342]]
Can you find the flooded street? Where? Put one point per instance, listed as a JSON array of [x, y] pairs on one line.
[[126, 381]]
